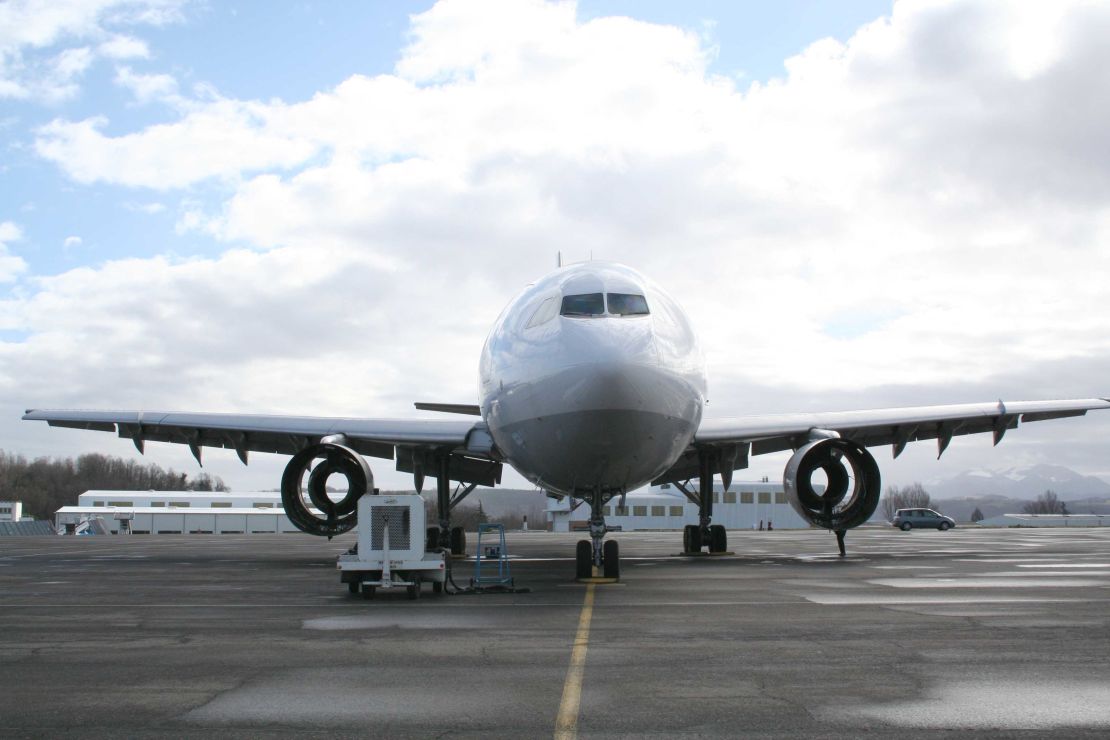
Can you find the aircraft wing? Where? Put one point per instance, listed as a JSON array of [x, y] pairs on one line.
[[281, 434], [742, 436], [895, 427]]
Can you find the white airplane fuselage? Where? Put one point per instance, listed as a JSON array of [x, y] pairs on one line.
[[599, 401]]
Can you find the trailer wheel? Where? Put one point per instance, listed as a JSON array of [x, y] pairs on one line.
[[352, 586], [414, 589], [437, 587], [367, 592]]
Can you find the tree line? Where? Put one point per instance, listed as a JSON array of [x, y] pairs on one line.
[[44, 485], [913, 496], [1046, 503]]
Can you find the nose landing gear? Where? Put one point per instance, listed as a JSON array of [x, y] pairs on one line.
[[594, 552]]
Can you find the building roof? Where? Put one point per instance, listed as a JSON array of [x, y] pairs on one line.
[[174, 510], [26, 529]]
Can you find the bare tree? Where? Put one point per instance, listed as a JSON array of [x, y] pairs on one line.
[[1046, 503], [913, 496], [888, 505]]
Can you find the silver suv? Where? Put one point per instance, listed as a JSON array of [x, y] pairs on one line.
[[907, 519]]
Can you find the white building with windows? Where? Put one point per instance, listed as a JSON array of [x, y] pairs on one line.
[[746, 505], [175, 512], [11, 511]]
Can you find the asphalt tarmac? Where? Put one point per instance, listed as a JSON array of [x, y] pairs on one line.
[[980, 632]]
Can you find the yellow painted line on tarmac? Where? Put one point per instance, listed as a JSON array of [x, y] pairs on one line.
[[566, 724]]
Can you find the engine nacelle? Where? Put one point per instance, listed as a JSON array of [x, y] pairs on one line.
[[338, 516], [853, 486]]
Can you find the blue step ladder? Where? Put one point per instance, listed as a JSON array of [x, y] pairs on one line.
[[491, 567]]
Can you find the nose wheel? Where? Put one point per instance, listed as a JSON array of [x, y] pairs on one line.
[[610, 560], [583, 560], [594, 551]]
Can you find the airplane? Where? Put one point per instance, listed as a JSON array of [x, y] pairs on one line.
[[591, 383]]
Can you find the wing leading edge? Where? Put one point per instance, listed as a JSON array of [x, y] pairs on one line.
[[281, 434], [896, 427], [739, 437]]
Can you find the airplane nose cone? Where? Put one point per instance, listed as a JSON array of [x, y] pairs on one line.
[[621, 385], [602, 407], [621, 369], [610, 423]]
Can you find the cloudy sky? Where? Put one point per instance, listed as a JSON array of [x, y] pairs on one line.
[[320, 208]]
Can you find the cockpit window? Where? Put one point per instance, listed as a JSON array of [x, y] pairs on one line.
[[545, 312], [627, 304], [586, 304]]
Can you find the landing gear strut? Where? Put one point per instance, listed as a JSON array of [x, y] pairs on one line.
[[453, 538], [606, 556], [702, 534], [840, 541]]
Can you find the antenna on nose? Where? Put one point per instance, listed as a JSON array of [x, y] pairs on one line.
[[559, 258]]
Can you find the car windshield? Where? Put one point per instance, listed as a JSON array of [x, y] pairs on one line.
[[627, 304], [585, 304]]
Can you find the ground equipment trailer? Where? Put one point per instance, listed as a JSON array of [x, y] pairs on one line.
[[391, 548]]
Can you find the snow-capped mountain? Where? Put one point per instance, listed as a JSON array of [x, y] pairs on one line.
[[1023, 483]]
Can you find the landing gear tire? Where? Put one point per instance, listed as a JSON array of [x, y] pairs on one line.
[[583, 559], [691, 538], [414, 589], [718, 538], [458, 541], [906, 526], [611, 559], [432, 540]]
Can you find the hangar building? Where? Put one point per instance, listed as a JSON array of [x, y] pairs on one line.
[[746, 505], [175, 512]]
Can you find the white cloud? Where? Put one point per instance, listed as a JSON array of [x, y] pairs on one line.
[[938, 182], [72, 242], [42, 42], [121, 46], [224, 139], [147, 208], [148, 87], [10, 265]]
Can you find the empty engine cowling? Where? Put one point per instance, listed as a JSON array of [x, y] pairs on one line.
[[338, 516], [852, 492]]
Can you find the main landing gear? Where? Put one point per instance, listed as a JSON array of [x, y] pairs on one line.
[[591, 552], [695, 537], [446, 536]]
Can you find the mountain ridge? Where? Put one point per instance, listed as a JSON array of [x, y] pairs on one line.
[[1025, 483]]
